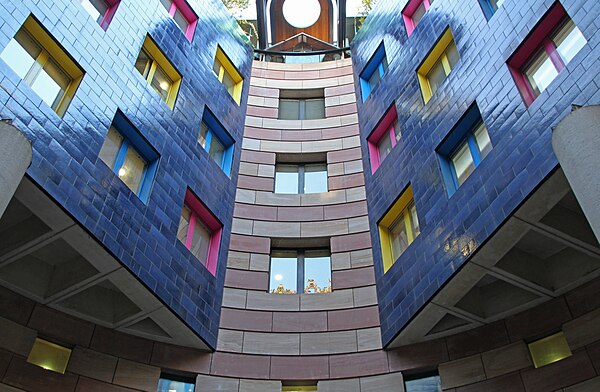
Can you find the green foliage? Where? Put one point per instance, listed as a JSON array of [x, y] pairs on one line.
[[237, 4]]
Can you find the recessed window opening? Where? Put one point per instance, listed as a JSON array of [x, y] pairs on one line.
[[228, 75], [301, 174], [102, 11], [413, 13], [373, 72], [437, 65], [550, 349], [424, 382], [490, 7], [296, 269], [183, 15], [50, 356], [200, 231], [160, 74], [301, 104], [384, 138], [175, 383], [130, 156], [216, 141], [463, 150], [546, 51], [43, 65]]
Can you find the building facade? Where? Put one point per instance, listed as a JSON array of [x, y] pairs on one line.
[[417, 212]]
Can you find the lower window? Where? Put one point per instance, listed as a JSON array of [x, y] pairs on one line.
[[172, 383], [423, 383], [200, 232], [300, 271]]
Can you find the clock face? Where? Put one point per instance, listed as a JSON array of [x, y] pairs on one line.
[[301, 13]]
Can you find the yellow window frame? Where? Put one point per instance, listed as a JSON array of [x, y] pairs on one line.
[[437, 53], [226, 66], [287, 388], [158, 59], [399, 210], [50, 49]]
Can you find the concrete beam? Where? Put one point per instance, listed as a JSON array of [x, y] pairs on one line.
[[15, 158]]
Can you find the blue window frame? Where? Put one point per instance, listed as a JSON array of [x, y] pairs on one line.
[[463, 150], [215, 140], [130, 156], [490, 7], [373, 72]]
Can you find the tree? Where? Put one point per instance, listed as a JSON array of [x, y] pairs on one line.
[[237, 4]]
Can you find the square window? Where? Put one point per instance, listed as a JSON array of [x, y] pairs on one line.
[[294, 271], [550, 349], [373, 72], [228, 75], [43, 65], [130, 156], [49, 356], [384, 138], [200, 231], [413, 13], [398, 228], [295, 179], [216, 141], [183, 15], [102, 11], [301, 104], [423, 383], [546, 51], [437, 65], [158, 71], [172, 383], [465, 147]]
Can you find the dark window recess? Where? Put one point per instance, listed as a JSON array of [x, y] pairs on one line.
[[301, 104]]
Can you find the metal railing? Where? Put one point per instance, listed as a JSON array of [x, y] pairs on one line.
[[317, 56]]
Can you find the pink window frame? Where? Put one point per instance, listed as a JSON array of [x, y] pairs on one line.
[[189, 15], [538, 39], [201, 212], [385, 128], [110, 13], [409, 11]]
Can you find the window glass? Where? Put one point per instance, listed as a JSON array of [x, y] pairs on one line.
[[289, 109], [284, 272], [374, 78], [452, 54], [228, 83], [569, 41], [317, 273], [397, 130], [398, 237], [184, 224], [203, 134], [286, 179], [200, 241], [463, 163], [495, 4], [181, 20], [414, 220], [110, 147], [142, 64], [384, 146], [419, 13], [166, 4], [217, 149], [315, 108], [165, 385], [436, 76], [425, 384], [161, 83], [132, 171], [20, 54], [47, 88], [96, 8], [315, 178], [483, 141], [540, 72]]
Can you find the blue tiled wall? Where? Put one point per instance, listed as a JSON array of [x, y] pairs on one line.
[[65, 151], [522, 156]]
